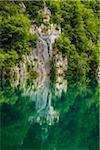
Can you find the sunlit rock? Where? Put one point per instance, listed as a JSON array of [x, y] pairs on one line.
[[39, 59], [47, 34], [46, 13], [60, 64]]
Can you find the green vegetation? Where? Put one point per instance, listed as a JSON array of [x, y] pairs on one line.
[[79, 38], [78, 41], [78, 106], [14, 33], [53, 71]]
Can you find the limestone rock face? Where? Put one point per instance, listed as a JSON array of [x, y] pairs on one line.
[[39, 59], [61, 64], [47, 35]]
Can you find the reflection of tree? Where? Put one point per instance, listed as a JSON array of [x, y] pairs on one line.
[[27, 95], [14, 124], [78, 121], [41, 93], [78, 124], [45, 113]]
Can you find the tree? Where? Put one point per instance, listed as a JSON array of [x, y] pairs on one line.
[[14, 30]]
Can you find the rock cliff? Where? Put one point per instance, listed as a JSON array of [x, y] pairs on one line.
[[39, 60]]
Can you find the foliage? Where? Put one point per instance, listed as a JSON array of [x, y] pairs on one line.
[[33, 8], [79, 37], [53, 71], [14, 33]]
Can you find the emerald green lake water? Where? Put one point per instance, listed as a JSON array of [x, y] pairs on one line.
[[49, 116]]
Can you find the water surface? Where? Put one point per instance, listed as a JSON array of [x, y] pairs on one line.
[[41, 115]]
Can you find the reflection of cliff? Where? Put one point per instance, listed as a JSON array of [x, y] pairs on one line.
[[41, 93], [42, 96], [45, 112], [78, 112], [33, 106]]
